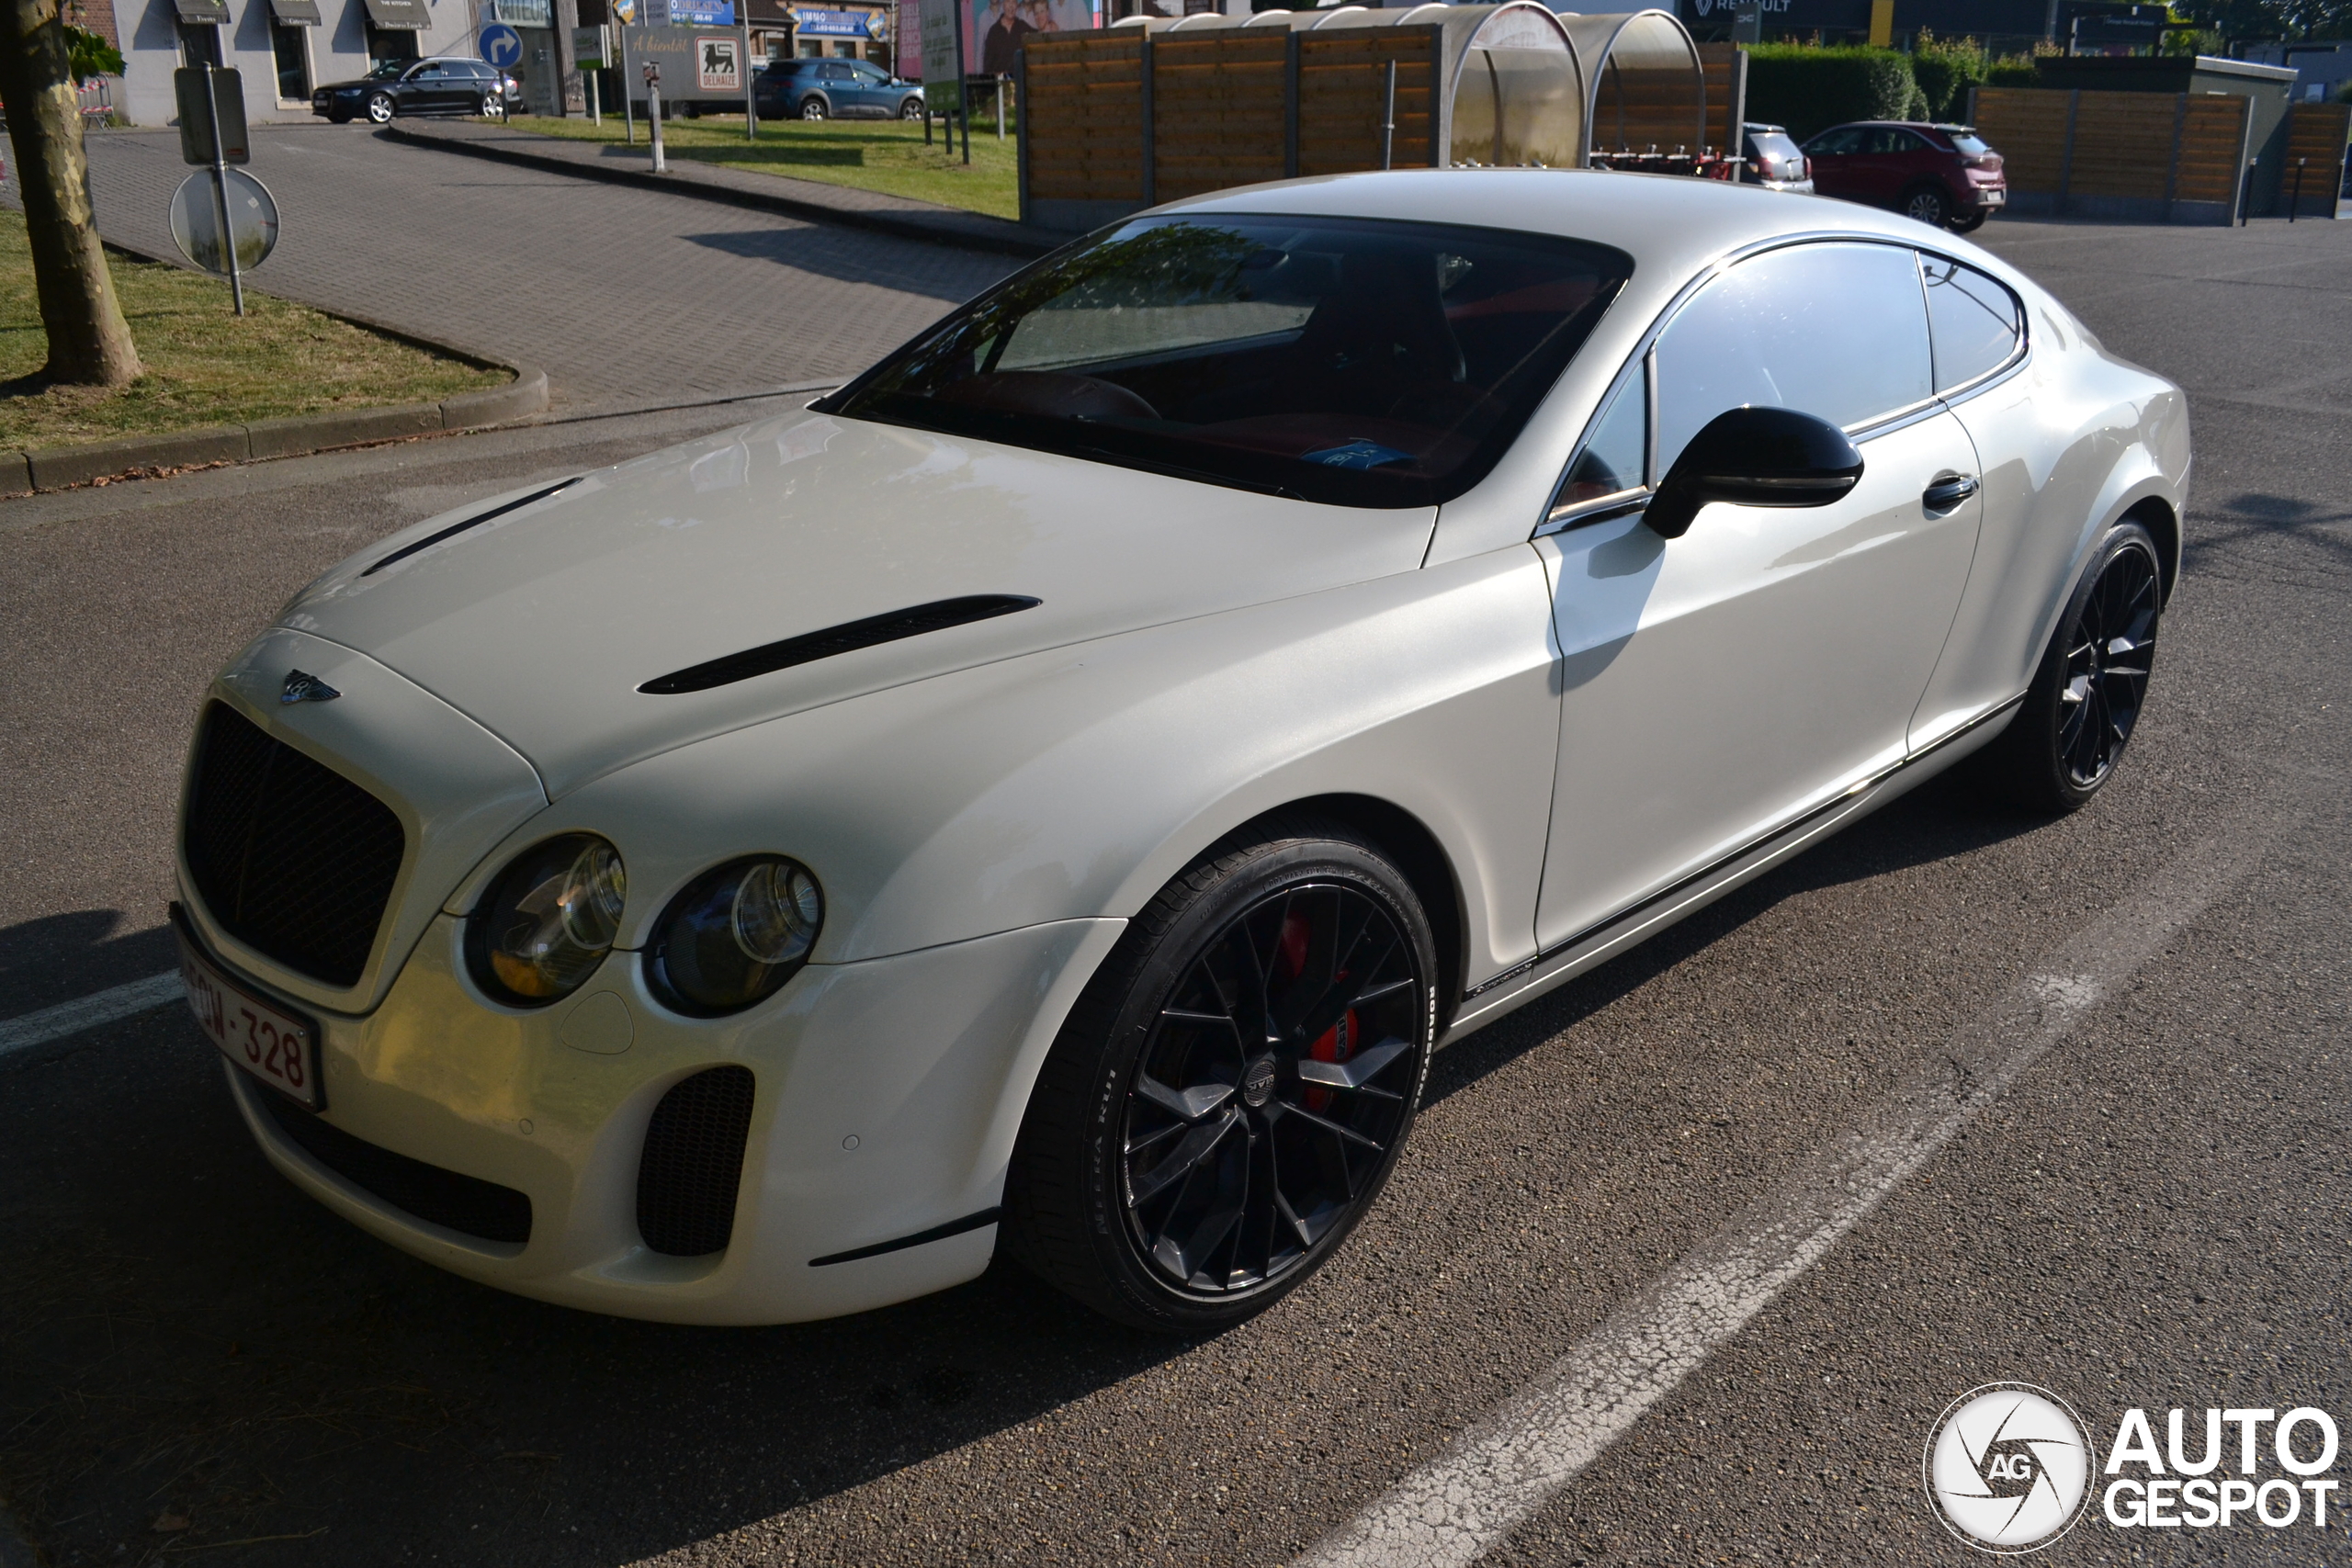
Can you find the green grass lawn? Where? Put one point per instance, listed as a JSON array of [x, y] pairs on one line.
[[872, 154], [204, 366]]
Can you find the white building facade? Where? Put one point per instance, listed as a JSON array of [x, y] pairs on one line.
[[282, 49]]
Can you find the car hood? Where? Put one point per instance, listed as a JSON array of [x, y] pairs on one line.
[[542, 622]]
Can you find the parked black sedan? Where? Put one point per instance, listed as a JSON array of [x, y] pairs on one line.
[[439, 86]]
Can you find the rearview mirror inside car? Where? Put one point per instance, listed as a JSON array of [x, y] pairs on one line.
[[1755, 457]]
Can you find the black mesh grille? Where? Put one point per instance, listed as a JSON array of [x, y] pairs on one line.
[[464, 1203], [293, 858], [693, 1161]]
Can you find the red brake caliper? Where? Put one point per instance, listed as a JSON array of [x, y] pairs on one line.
[[1339, 1043]]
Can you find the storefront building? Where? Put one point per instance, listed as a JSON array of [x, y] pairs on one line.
[[845, 32], [282, 49]]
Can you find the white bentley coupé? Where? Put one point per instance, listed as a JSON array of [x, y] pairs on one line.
[[1057, 791]]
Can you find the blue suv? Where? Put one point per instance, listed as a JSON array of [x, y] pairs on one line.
[[833, 89]]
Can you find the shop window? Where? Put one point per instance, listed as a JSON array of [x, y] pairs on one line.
[[293, 49], [844, 50], [812, 48], [199, 43], [389, 46]]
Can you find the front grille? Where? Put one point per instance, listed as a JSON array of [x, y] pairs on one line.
[[694, 1162], [291, 858], [463, 1203]]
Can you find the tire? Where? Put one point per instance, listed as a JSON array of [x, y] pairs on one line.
[[1178, 1174], [1927, 205], [339, 117], [2088, 692], [381, 108], [493, 105], [813, 108], [1970, 225], [911, 109]]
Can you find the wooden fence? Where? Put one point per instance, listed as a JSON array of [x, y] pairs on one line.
[[2137, 157], [2315, 135], [1120, 118], [1726, 68]]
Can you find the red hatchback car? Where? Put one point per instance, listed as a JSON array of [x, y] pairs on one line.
[[1942, 175]]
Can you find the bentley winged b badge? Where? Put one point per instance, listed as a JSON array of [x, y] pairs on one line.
[[303, 687]]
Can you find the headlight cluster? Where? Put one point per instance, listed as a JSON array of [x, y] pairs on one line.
[[735, 935], [732, 938]]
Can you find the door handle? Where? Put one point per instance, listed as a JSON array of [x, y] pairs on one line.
[[1946, 493]]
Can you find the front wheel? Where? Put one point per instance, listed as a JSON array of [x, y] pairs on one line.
[[2084, 702], [911, 109], [1928, 206], [1230, 1092], [812, 108], [380, 109], [1970, 225]]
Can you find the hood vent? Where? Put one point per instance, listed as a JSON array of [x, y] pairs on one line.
[[847, 638], [476, 521]]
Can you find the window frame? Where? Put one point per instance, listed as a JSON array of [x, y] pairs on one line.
[[1557, 518]]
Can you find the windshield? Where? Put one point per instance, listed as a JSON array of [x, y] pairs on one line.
[[1775, 145], [1359, 362], [389, 73]]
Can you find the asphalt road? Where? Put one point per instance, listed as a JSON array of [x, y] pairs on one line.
[[2150, 1212], [627, 298]]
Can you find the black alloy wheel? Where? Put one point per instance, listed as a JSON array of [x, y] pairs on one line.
[[1229, 1095], [1973, 222], [2087, 693], [910, 108], [1929, 205], [812, 107]]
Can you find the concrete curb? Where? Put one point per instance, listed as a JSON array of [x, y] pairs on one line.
[[972, 230], [56, 468]]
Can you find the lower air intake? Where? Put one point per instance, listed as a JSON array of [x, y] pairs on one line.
[[694, 1162], [465, 1204]]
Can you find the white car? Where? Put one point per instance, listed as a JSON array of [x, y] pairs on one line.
[[1056, 791]]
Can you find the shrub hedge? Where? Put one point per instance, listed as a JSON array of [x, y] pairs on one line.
[[1810, 89]]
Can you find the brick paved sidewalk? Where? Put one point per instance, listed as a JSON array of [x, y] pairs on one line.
[[900, 215], [628, 297]]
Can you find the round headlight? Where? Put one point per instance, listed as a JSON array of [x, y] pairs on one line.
[[548, 921], [735, 935]]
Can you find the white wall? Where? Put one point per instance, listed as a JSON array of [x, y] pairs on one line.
[[150, 53]]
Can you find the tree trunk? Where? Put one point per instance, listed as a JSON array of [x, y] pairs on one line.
[[89, 343]]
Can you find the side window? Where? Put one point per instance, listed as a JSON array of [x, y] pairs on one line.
[[833, 72], [1836, 331], [1972, 321], [1834, 143], [1617, 450], [869, 76]]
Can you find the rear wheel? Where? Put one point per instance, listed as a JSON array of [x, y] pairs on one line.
[[1230, 1093], [1929, 205], [2084, 702], [493, 105], [812, 107]]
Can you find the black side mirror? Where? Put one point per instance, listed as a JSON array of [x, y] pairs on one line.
[[1755, 457]]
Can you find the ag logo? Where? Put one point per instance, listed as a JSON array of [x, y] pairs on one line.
[[2007, 1467]]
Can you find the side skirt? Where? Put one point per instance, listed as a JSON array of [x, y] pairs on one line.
[[1595, 945]]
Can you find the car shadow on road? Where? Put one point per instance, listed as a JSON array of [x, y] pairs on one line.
[[58, 958], [188, 1337], [952, 276], [1944, 819]]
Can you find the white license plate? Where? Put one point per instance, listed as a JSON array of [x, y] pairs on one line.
[[267, 1041], [1993, 197]]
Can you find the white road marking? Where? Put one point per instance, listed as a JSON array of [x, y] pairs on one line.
[[1452, 1510], [88, 1012]]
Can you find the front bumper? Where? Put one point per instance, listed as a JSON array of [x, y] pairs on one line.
[[887, 1096]]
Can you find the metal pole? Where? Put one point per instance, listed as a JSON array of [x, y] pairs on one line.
[[628, 114], [2295, 202], [596, 109], [653, 116], [750, 105], [1000, 108], [1388, 126], [220, 189]]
